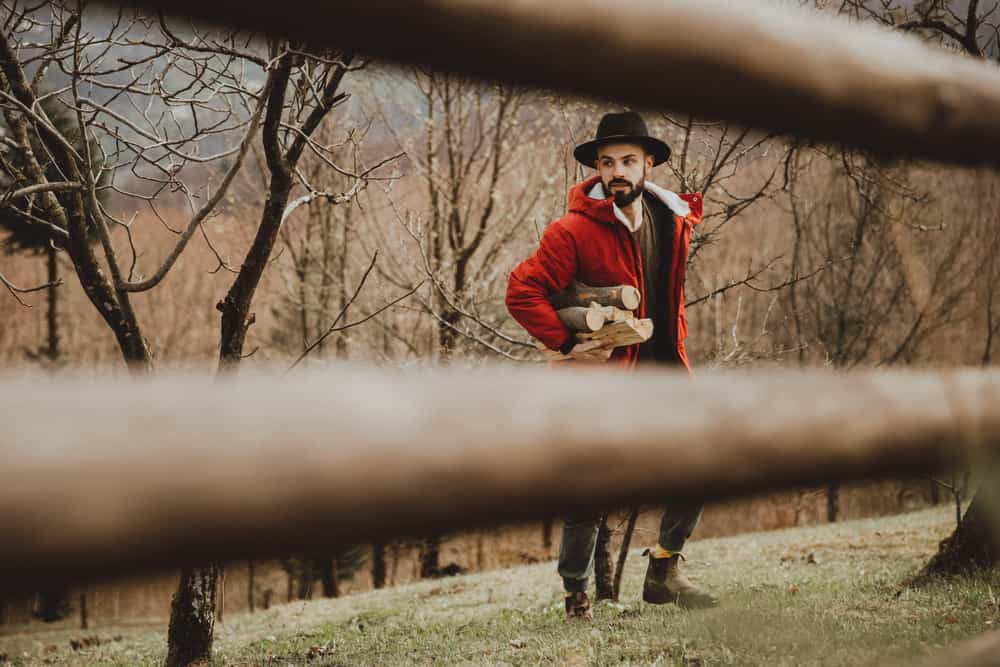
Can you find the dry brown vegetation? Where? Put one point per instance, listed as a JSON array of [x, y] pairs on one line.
[[807, 256], [901, 263]]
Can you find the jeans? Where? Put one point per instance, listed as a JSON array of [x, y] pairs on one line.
[[579, 537]]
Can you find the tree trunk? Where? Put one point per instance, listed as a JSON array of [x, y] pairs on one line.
[[395, 564], [193, 610], [447, 336], [378, 564], [235, 307], [633, 516], [430, 557], [547, 533], [602, 562], [307, 572], [328, 576], [220, 609], [53, 606], [935, 489], [975, 544], [192, 618], [832, 502], [52, 351], [250, 586], [83, 611], [290, 566]]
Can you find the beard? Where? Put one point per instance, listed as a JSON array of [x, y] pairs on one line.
[[623, 199]]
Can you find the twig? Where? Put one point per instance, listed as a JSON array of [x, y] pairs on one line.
[[340, 315], [616, 587], [334, 328], [57, 186], [748, 281], [15, 290], [473, 338]]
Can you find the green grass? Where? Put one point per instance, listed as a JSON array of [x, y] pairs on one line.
[[848, 607]]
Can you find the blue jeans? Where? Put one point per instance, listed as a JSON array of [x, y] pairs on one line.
[[579, 537]]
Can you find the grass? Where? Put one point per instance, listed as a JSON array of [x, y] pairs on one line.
[[826, 595]]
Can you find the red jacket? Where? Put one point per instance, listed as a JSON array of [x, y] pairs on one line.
[[591, 245]]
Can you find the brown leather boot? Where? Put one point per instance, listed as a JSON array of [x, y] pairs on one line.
[[665, 584], [578, 606]]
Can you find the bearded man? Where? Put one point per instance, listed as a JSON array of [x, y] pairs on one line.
[[620, 229]]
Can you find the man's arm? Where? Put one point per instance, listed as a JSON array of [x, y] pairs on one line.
[[550, 269]]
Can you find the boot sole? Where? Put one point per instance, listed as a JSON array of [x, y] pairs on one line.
[[681, 602]]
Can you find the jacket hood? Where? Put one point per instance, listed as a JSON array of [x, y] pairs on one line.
[[587, 198]]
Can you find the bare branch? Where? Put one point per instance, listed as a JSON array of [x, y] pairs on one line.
[[208, 207], [15, 290], [334, 328], [27, 191]]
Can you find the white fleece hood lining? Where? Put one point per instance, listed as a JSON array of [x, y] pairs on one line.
[[670, 199]]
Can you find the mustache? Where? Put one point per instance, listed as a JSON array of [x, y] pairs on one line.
[[620, 182]]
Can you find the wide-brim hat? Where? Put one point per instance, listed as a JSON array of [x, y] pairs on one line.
[[627, 127]]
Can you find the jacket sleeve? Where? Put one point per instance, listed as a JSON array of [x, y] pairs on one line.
[[550, 269], [695, 203]]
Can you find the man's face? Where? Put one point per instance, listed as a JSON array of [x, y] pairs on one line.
[[623, 169]]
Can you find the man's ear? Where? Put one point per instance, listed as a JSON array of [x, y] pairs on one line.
[[649, 163]]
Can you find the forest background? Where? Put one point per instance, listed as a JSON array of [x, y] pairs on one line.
[[407, 205]]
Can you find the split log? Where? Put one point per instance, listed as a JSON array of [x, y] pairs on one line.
[[625, 297], [612, 314], [577, 318], [619, 334], [628, 332], [592, 318]]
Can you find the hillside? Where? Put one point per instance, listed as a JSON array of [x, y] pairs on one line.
[[827, 595]]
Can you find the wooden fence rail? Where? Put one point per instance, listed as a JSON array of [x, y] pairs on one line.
[[753, 62], [105, 478]]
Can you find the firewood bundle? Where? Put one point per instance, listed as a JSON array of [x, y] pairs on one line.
[[600, 313]]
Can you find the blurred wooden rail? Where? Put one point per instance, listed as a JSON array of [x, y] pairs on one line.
[[777, 68], [105, 478]]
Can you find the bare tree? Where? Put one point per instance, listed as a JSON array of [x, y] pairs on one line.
[[158, 104], [475, 152], [301, 89], [465, 153], [160, 101], [972, 26], [29, 232]]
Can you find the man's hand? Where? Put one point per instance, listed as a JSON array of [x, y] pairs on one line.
[[593, 351]]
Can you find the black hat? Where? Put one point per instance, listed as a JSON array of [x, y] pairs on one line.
[[627, 127]]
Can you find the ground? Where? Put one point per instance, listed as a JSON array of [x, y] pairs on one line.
[[825, 595]]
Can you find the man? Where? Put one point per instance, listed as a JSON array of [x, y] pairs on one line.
[[620, 230]]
